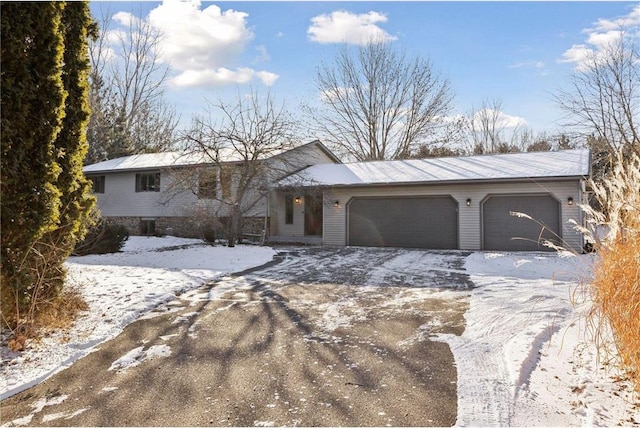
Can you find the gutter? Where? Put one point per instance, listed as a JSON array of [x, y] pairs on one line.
[[438, 182]]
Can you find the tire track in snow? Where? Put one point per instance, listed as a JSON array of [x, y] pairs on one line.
[[508, 323]]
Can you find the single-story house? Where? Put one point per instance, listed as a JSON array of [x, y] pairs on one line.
[[181, 193], [490, 202]]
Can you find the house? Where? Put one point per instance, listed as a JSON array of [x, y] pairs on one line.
[[468, 203], [184, 194]]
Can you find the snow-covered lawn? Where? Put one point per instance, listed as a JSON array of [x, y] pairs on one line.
[[522, 359], [119, 288]]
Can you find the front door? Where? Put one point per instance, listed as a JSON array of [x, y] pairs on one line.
[[313, 215]]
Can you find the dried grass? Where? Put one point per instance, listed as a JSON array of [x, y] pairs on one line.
[[61, 312], [46, 304], [56, 314], [616, 296], [615, 289]]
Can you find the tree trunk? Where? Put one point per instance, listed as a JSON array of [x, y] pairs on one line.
[[232, 226]]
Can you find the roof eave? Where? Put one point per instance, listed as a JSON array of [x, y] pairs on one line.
[[442, 182], [158, 168]]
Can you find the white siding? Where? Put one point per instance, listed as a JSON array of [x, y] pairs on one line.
[[121, 200], [335, 218], [299, 158], [470, 219], [277, 214]]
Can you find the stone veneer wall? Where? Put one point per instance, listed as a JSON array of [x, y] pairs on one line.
[[184, 227]]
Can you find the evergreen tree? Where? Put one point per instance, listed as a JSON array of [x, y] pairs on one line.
[[45, 200], [71, 143]]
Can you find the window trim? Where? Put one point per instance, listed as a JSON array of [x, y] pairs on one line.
[[207, 185], [288, 209], [147, 226], [144, 176], [97, 183]]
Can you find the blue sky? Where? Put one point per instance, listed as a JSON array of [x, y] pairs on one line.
[[517, 52]]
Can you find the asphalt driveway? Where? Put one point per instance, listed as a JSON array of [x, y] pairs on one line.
[[319, 337]]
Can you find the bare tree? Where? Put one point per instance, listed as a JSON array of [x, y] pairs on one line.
[[377, 103], [130, 114], [603, 100], [544, 142], [487, 130], [242, 143]]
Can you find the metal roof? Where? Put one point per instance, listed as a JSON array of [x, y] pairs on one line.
[[145, 161], [162, 160], [558, 164]]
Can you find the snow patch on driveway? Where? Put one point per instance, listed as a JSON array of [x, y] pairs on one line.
[[138, 355]]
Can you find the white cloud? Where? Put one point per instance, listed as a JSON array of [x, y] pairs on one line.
[[602, 40], [528, 64], [204, 46], [577, 54], [196, 39], [603, 34], [115, 36], [346, 27], [539, 66], [263, 55], [267, 77], [502, 120], [125, 18], [627, 21], [335, 94], [222, 76]]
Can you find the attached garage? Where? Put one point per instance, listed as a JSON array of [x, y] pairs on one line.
[[502, 231], [451, 203], [410, 222]]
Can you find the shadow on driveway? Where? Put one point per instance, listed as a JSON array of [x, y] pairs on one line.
[[320, 337]]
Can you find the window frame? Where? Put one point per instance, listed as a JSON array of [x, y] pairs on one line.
[[97, 183], [143, 184], [207, 185], [288, 209], [147, 226]]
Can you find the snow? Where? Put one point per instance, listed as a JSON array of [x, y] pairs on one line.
[[138, 355], [120, 288], [566, 163], [523, 359], [146, 161], [174, 159]]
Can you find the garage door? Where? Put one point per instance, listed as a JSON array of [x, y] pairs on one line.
[[411, 222], [504, 232]]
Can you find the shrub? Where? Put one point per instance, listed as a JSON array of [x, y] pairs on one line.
[[102, 239], [46, 199], [57, 312], [616, 286]]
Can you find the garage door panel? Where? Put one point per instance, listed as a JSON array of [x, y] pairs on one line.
[[504, 232], [425, 222], [361, 226]]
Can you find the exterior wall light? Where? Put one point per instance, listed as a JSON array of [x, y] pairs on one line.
[[570, 200], [468, 202], [297, 199], [336, 203]]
